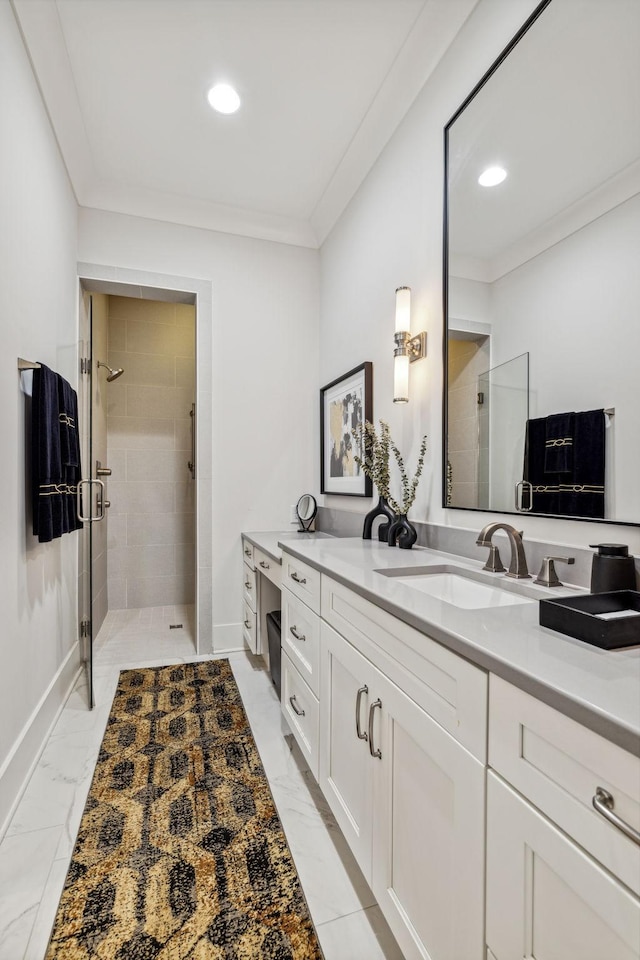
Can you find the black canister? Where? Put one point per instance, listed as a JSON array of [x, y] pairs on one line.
[[612, 568]]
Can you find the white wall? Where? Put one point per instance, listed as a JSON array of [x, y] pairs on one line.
[[390, 235], [38, 311], [265, 374]]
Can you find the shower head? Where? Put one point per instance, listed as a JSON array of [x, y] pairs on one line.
[[113, 374]]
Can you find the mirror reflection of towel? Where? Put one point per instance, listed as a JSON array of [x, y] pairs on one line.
[[558, 448], [580, 491]]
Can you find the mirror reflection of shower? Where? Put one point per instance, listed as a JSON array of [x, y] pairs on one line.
[[113, 374]]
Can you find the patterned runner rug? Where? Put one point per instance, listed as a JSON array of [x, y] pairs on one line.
[[180, 853]]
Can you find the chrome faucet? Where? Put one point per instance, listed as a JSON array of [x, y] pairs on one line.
[[518, 566]]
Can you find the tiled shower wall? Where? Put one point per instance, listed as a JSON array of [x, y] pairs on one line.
[[467, 360], [151, 556]]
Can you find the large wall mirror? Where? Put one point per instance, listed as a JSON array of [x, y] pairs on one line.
[[542, 272]]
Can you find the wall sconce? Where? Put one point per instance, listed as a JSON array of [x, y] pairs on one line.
[[408, 348]]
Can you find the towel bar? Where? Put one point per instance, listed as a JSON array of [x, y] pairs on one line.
[[27, 365]]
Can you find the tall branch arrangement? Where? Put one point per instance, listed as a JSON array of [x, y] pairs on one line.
[[374, 463]]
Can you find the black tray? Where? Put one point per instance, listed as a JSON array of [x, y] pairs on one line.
[[578, 617]]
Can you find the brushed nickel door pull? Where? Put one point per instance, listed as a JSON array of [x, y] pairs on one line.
[[361, 735], [296, 709], [247, 624], [265, 566], [294, 576], [247, 552], [374, 753], [603, 802], [247, 584], [298, 636]]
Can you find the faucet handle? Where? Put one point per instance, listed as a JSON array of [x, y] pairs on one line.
[[494, 563], [547, 576]]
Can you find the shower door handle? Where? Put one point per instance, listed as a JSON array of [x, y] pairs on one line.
[[100, 502], [191, 464]]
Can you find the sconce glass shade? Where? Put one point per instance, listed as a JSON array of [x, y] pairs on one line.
[[401, 379], [403, 309]]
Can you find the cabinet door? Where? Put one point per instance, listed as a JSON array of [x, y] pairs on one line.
[[428, 834], [545, 896], [346, 767]]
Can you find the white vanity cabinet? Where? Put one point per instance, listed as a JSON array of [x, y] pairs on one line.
[[562, 879], [249, 598], [409, 798], [300, 625]]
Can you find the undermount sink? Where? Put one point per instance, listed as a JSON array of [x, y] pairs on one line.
[[462, 587]]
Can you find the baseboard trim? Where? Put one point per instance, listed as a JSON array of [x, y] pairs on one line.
[[227, 638], [21, 762]]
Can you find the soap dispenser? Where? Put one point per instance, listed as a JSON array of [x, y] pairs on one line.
[[612, 568]]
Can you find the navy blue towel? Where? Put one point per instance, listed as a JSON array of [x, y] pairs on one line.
[[55, 455]]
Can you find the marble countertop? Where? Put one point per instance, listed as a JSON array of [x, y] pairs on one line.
[[598, 688], [269, 541]]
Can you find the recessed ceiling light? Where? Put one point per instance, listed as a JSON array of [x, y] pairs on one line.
[[492, 176], [223, 98]]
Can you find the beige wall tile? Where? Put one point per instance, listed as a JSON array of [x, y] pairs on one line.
[[185, 497], [159, 591], [132, 308], [156, 560], [149, 496], [117, 462], [176, 528], [158, 402], [117, 531], [117, 594], [159, 338], [182, 435], [149, 429], [142, 368], [117, 338], [186, 374], [156, 465], [138, 433]]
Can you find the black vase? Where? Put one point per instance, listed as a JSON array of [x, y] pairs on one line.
[[381, 510], [402, 533]]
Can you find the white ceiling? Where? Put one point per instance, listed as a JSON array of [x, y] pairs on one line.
[[324, 83]]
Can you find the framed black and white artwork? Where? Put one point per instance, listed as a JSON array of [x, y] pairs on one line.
[[344, 404]]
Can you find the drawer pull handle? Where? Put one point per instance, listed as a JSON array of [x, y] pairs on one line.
[[265, 566], [294, 706], [374, 753], [361, 735], [247, 552], [603, 802], [294, 576], [298, 636], [247, 624], [247, 585]]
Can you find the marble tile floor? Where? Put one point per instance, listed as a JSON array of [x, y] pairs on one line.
[[35, 852]]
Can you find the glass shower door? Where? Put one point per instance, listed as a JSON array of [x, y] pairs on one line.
[[85, 498], [503, 411]]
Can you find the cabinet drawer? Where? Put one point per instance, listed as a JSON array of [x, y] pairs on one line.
[[558, 765], [450, 689], [249, 587], [300, 707], [247, 553], [302, 580], [249, 628], [301, 637], [267, 566]]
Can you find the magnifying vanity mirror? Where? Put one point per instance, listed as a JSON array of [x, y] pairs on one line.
[[542, 271], [306, 509]]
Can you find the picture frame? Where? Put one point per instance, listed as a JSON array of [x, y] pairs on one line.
[[344, 403]]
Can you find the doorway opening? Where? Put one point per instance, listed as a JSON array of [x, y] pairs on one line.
[[146, 444]]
